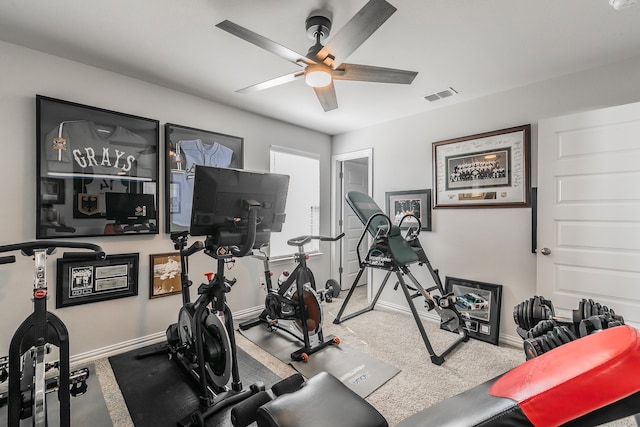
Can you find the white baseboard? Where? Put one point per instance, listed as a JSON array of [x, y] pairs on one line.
[[512, 340], [117, 348], [158, 337]]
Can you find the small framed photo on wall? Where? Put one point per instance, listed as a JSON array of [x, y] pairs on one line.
[[165, 275], [85, 281], [403, 207]]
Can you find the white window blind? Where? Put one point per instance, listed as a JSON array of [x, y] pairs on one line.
[[303, 199]]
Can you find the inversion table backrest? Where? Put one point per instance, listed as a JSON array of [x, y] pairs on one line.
[[365, 207]]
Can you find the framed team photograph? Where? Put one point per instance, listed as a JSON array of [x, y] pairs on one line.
[[97, 171], [165, 275], [484, 170], [479, 305], [87, 281], [187, 147], [403, 207]]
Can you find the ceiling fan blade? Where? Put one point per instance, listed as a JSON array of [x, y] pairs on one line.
[[264, 43], [287, 78], [327, 97], [356, 31], [367, 73]]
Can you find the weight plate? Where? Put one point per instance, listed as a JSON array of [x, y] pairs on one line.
[[537, 309], [543, 343], [586, 310], [527, 315], [553, 339], [561, 334], [578, 314], [520, 315], [334, 287]]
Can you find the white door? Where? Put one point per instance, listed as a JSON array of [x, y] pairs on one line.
[[354, 178], [589, 210]]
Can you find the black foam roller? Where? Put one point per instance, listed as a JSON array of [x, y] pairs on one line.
[[288, 385], [244, 413]]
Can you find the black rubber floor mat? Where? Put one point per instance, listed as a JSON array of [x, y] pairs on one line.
[[158, 392]]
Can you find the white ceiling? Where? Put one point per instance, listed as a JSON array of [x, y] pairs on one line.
[[478, 47]]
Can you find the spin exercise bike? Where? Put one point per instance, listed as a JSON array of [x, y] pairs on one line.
[[392, 252], [26, 366], [236, 210], [294, 307]]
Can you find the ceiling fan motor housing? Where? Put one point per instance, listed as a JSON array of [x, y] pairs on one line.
[[318, 24]]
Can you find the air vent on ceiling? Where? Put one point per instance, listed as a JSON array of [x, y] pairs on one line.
[[441, 95]]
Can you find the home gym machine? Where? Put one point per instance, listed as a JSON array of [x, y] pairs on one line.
[[392, 252], [27, 363], [294, 307], [236, 210]]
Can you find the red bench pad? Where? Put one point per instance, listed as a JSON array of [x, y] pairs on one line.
[[591, 372]]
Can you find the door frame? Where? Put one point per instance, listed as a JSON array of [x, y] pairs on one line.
[[337, 200]]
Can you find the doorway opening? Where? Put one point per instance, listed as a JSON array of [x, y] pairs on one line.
[[351, 172]]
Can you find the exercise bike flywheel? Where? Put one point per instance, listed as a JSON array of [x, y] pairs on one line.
[[185, 317], [217, 349], [312, 308]]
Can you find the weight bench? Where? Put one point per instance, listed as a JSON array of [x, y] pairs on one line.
[[393, 252], [587, 382]]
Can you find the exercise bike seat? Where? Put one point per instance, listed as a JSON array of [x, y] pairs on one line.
[[382, 228], [587, 382]]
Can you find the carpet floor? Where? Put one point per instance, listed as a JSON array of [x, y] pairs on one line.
[[392, 337]]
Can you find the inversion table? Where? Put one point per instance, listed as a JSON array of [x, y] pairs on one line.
[[393, 252]]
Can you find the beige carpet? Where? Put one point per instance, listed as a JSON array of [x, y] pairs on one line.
[[393, 338]]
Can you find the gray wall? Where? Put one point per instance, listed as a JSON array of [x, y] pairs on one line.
[[499, 251], [25, 73], [487, 245]]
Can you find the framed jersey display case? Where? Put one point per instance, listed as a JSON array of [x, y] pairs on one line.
[[185, 148], [97, 171]]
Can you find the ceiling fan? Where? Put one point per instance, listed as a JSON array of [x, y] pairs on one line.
[[323, 63]]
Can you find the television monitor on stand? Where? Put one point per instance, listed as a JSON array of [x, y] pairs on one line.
[[132, 212], [237, 209]]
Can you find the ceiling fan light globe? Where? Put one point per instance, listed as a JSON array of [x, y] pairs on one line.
[[317, 77]]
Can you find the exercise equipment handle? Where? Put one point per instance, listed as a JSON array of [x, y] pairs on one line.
[[303, 240], [28, 248], [252, 222], [195, 247], [7, 259]]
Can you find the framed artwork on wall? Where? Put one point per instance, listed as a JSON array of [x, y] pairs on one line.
[[97, 171], [414, 202], [479, 304], [86, 281], [485, 170], [164, 277], [186, 147]]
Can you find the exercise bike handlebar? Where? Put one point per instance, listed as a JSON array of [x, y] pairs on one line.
[[303, 240], [195, 247], [28, 248]]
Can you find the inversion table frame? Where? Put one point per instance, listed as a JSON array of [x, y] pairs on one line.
[[393, 253]]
